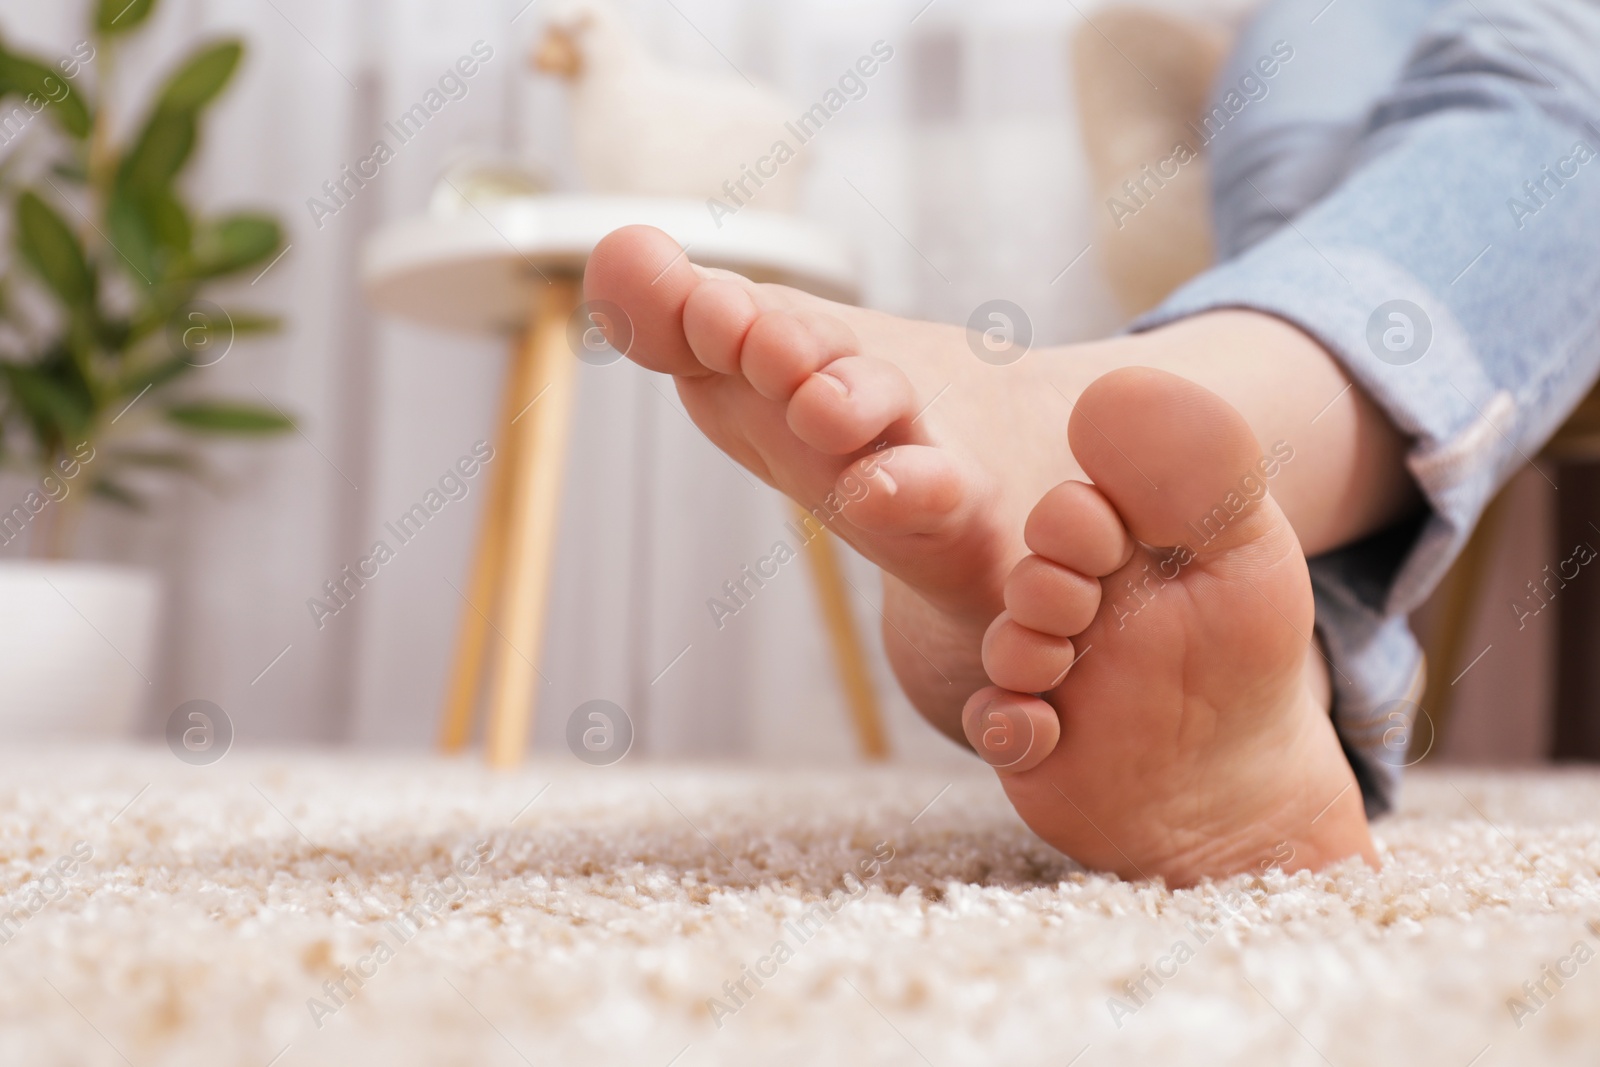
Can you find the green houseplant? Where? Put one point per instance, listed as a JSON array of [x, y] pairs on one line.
[[104, 334], [102, 322]]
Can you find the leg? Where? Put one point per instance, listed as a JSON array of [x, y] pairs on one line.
[[488, 563], [1576, 735], [1459, 594], [859, 693], [1192, 740], [539, 442], [1462, 192], [1293, 139], [956, 451], [1576, 449]]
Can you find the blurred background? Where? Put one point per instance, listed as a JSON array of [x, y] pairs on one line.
[[959, 177]]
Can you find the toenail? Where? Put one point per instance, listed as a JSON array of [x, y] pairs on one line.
[[1005, 735], [837, 382]]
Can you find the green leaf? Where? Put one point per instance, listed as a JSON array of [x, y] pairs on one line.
[[234, 243], [50, 246], [203, 75], [167, 219], [32, 78], [112, 333], [160, 152], [129, 232], [117, 493], [51, 397], [223, 417], [120, 16], [154, 376], [252, 322], [72, 171], [157, 459]]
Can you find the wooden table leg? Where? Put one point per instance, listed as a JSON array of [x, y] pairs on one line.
[[1460, 598], [472, 636], [1575, 733], [843, 635], [538, 445]]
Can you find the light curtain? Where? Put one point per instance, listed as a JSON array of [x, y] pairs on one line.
[[956, 179]]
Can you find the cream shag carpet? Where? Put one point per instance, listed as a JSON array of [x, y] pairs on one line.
[[164, 914]]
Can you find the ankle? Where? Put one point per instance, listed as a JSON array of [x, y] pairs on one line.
[[1348, 477]]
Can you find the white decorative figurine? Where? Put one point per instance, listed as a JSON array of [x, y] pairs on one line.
[[641, 127]]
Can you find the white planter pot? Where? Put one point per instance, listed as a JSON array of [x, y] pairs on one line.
[[77, 649]]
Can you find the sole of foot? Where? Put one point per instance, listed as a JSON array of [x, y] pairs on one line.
[[1180, 734]]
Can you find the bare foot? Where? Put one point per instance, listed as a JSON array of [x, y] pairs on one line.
[[1195, 741], [1190, 739], [938, 454]]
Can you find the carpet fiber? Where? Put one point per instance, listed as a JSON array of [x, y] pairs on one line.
[[163, 914]]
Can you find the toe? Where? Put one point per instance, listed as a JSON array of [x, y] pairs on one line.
[[1075, 526], [647, 275], [848, 404], [716, 318], [1013, 732], [1024, 659], [1050, 598], [784, 348], [907, 489], [1176, 460]]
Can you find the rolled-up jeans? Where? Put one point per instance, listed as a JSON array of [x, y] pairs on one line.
[[1417, 187]]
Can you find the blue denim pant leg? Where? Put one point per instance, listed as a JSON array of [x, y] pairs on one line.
[[1418, 188]]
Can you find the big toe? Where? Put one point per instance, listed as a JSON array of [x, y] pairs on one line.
[[646, 274], [1180, 464]]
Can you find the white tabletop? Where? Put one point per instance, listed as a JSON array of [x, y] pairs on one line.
[[470, 270]]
